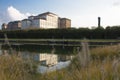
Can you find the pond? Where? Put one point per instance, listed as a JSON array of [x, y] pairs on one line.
[[49, 58]]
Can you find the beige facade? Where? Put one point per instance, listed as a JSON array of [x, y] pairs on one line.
[[64, 23], [14, 25], [52, 21], [26, 24], [4, 26], [45, 20]]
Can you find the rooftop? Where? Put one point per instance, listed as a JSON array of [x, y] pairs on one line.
[[46, 13], [66, 18]]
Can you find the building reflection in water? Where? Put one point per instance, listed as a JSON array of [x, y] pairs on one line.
[[46, 59], [64, 58]]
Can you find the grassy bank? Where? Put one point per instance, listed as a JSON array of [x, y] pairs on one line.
[[13, 67], [97, 64], [101, 63]]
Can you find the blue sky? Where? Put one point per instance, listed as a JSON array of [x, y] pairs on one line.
[[83, 13]]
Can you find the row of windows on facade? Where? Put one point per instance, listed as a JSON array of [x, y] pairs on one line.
[[45, 20]]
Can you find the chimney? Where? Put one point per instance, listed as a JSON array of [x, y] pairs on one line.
[[99, 22]]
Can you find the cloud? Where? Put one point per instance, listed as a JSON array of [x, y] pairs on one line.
[[12, 14], [15, 14]]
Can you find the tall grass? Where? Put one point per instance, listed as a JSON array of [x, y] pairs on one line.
[[107, 51], [84, 54], [13, 67], [101, 63]]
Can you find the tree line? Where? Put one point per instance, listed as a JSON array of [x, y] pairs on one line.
[[110, 32]]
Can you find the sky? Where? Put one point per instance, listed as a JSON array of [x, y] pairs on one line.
[[83, 13]]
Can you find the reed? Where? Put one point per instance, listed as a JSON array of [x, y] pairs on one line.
[[13, 67], [102, 63], [105, 65]]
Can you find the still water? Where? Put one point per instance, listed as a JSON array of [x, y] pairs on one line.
[[50, 58]]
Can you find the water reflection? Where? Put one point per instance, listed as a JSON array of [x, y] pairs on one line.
[[48, 61], [60, 65]]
